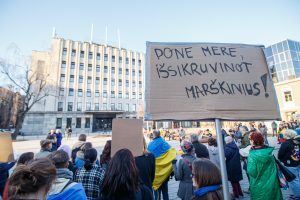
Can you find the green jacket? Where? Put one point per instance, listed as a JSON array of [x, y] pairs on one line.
[[262, 171]]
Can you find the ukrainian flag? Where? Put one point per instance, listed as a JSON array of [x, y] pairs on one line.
[[164, 155]]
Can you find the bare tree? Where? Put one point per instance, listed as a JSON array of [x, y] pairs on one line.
[[32, 85]]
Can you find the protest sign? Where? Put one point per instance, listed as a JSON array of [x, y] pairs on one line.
[[192, 81], [127, 133], [6, 148]]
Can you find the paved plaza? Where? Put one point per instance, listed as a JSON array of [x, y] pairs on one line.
[[98, 142]]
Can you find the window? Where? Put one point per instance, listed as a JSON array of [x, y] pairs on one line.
[[133, 72], [71, 78], [140, 73], [97, 80], [80, 79], [105, 57], [90, 55], [81, 66], [120, 71], [127, 83], [288, 96], [96, 106], [80, 92], [104, 94], [60, 106], [119, 106], [63, 64], [133, 61], [140, 95], [69, 122], [73, 52], [140, 62], [98, 56], [104, 106], [133, 95], [105, 69], [120, 82], [120, 95], [127, 107], [78, 122], [133, 83], [112, 94], [62, 78], [70, 106], [120, 59], [140, 84], [61, 91], [127, 95], [72, 65], [87, 122], [127, 72], [112, 82], [65, 51], [58, 122], [89, 80], [105, 81], [88, 106], [133, 108], [127, 60], [112, 70], [71, 92], [98, 68], [90, 68], [112, 106], [81, 54], [88, 93], [79, 106], [97, 93], [113, 58]]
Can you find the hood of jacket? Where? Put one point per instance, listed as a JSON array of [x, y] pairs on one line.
[[64, 173], [263, 155], [80, 155]]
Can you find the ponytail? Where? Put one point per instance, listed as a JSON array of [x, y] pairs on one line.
[[90, 156]]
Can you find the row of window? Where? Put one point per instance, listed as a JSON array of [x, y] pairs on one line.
[[98, 56], [88, 107], [69, 122], [97, 93], [97, 81]]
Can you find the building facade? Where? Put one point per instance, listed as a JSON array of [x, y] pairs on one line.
[[284, 60], [90, 85], [288, 96]]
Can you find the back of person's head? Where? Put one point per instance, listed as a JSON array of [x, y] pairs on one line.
[[90, 156], [289, 133], [212, 142], [60, 159], [35, 177], [194, 138], [82, 137], [121, 177], [228, 139], [105, 157], [86, 146], [186, 146], [25, 158], [205, 173], [51, 137], [156, 133], [257, 139], [46, 144]]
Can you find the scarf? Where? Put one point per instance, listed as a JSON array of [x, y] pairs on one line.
[[64, 173], [204, 190]]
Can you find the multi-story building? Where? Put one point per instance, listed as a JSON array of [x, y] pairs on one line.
[[284, 60], [90, 85]]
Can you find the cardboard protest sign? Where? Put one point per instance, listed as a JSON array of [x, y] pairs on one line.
[[127, 133], [192, 81], [6, 148]]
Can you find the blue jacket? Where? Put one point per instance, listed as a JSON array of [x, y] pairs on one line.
[[158, 147], [233, 162], [75, 192], [59, 139]]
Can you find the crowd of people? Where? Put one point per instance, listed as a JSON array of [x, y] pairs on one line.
[[59, 171]]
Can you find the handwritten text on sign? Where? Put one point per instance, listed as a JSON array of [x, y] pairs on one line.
[[206, 72]]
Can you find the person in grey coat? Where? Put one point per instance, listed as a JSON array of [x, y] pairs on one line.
[[46, 146], [213, 151], [183, 171]]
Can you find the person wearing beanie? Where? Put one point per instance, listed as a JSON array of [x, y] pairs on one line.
[[183, 170]]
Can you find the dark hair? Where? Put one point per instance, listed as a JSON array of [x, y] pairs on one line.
[[212, 142], [82, 137], [28, 179], [51, 137], [90, 155], [105, 157], [257, 138], [60, 159], [207, 173], [121, 177], [25, 158], [86, 146]]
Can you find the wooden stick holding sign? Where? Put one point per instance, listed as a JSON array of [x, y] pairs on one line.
[[127, 133], [6, 148]]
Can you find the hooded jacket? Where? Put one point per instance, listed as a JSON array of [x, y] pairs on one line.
[[233, 162], [263, 175]]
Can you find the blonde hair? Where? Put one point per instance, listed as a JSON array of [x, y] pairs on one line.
[[289, 133]]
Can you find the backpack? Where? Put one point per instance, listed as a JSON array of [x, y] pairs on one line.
[[74, 152]]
